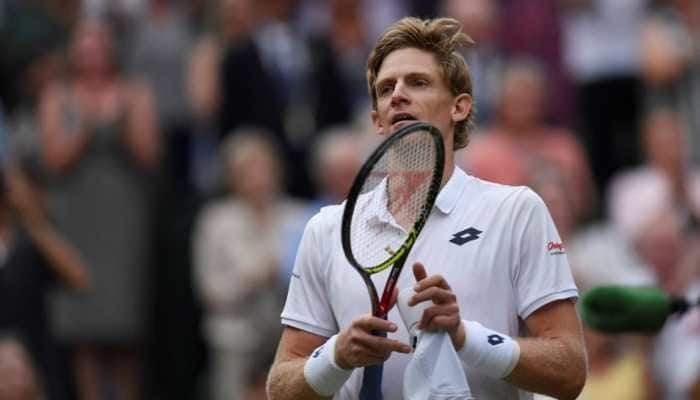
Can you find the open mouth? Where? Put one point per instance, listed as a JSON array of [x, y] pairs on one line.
[[402, 119]]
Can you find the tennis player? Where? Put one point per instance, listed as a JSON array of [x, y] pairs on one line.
[[489, 262]]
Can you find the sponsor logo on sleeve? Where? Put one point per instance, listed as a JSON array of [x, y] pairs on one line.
[[555, 248]]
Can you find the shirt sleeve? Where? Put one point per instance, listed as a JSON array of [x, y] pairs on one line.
[[541, 272], [308, 303]]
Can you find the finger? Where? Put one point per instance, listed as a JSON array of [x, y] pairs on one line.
[[360, 355], [381, 346], [432, 316], [435, 294], [443, 323], [419, 271], [434, 280], [370, 323]]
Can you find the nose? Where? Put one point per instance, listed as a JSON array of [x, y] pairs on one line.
[[399, 96]]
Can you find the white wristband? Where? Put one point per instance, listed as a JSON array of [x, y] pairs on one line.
[[493, 353], [322, 373]]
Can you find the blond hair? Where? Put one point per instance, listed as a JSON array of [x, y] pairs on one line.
[[441, 37]]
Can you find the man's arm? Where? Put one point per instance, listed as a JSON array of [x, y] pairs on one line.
[[355, 347], [286, 380], [553, 361]]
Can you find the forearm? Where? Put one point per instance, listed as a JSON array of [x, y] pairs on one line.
[[142, 137], [61, 257], [144, 147], [287, 382], [552, 366], [63, 153]]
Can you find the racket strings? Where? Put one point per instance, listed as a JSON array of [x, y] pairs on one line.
[[392, 199]]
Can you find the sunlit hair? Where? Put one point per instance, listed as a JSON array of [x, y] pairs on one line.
[[441, 37]]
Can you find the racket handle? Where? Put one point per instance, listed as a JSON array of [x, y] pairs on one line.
[[386, 298], [390, 285], [372, 378]]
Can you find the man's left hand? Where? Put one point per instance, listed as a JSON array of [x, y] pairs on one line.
[[443, 315]]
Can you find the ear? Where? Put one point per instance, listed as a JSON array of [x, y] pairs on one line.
[[377, 122], [461, 107]]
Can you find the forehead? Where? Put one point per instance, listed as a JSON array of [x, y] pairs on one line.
[[408, 61]]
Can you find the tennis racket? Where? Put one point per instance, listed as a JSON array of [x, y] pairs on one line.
[[387, 207]]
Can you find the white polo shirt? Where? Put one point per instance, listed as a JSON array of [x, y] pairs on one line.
[[496, 246]]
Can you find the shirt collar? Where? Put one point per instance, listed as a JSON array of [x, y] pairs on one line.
[[446, 200], [374, 204], [449, 195]]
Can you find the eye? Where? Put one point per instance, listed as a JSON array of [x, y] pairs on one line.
[[420, 82], [385, 89]]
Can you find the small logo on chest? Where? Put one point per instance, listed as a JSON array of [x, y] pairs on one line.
[[465, 236]]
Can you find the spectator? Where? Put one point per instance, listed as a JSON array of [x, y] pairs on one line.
[[29, 30], [237, 248], [278, 80], [665, 182], [99, 141], [672, 253], [533, 29], [485, 59], [33, 257], [190, 175], [616, 365], [157, 56], [671, 65], [336, 159], [617, 368], [345, 46], [601, 50], [520, 141], [193, 153]]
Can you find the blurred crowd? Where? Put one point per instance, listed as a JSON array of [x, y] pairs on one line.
[[160, 159]]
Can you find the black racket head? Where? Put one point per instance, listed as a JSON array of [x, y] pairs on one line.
[[392, 197]]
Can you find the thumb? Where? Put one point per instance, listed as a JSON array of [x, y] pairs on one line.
[[419, 271]]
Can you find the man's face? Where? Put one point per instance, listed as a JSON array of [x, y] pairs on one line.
[[410, 87]]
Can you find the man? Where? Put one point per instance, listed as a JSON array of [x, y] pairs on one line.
[[499, 269]]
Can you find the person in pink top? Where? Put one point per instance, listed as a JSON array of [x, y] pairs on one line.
[[520, 142]]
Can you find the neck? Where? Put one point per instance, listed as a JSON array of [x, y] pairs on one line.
[[449, 169]]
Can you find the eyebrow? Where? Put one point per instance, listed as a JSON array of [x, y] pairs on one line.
[[383, 82], [410, 75]]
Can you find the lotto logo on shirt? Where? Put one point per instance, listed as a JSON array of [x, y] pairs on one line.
[[555, 248]]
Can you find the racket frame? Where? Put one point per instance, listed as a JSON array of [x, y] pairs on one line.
[[398, 258]]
